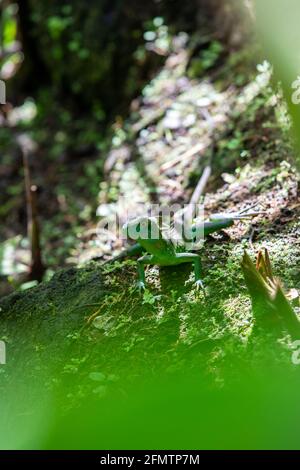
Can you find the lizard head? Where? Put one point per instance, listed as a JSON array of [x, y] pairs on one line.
[[142, 228]]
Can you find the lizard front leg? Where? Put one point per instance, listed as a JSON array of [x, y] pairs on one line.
[[197, 270], [141, 262], [195, 259]]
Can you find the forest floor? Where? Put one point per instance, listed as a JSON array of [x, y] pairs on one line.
[[87, 332]]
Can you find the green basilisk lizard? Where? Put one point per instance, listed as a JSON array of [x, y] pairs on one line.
[[160, 249]]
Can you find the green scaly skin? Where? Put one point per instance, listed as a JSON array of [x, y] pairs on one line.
[[161, 251]]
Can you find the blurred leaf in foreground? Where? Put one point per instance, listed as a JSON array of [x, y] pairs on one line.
[[278, 25]]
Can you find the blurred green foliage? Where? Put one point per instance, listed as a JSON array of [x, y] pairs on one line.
[[9, 25], [278, 25], [95, 56]]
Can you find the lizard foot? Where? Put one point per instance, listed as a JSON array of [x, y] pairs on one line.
[[140, 285], [199, 285]]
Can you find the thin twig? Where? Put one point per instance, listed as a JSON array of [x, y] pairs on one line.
[[184, 156], [198, 192]]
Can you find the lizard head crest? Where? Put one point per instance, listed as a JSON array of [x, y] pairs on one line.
[[142, 228]]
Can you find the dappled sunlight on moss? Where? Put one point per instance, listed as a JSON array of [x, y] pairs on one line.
[[237, 310]]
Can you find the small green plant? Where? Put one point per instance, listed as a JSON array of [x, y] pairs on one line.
[[149, 298], [206, 60]]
